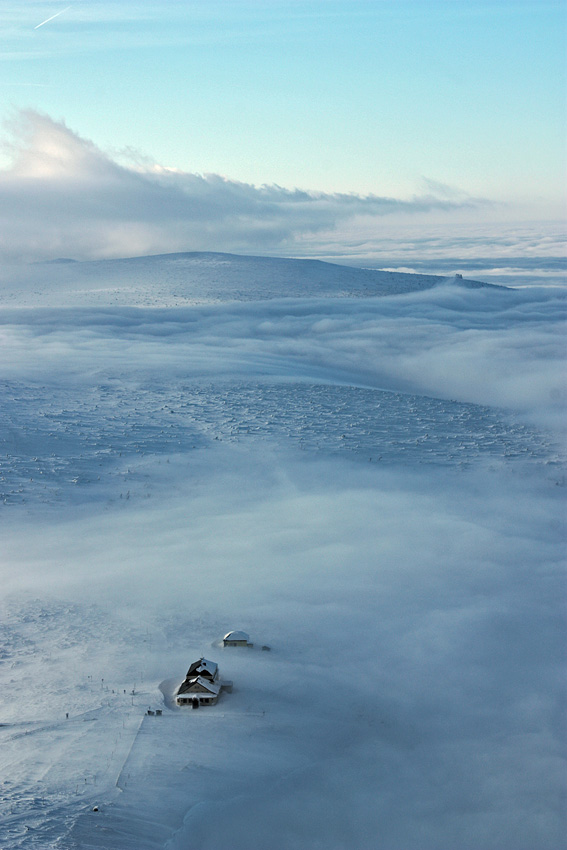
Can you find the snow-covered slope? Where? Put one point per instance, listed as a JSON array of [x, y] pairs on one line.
[[194, 278], [373, 487]]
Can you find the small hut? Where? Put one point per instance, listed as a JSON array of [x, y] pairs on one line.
[[236, 639]]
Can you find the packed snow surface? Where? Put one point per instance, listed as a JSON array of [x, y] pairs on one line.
[[364, 470], [62, 444]]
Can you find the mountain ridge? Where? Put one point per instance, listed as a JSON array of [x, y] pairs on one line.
[[202, 277]]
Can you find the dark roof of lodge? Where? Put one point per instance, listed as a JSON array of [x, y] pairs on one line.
[[202, 666], [188, 684]]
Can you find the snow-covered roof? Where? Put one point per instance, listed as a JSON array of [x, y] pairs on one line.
[[236, 636], [212, 687], [203, 666]]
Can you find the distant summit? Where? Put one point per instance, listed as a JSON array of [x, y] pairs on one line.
[[173, 280], [60, 260]]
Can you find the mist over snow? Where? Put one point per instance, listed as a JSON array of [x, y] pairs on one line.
[[434, 336], [282, 350], [367, 475]]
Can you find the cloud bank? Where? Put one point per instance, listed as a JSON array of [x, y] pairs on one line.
[[492, 347], [63, 196], [413, 691], [414, 694]]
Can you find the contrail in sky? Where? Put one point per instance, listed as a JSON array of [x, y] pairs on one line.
[[56, 15]]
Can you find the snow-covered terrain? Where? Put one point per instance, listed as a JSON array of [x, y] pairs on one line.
[[372, 486], [173, 280]]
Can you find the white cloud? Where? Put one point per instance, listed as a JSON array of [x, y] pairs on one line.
[[62, 196]]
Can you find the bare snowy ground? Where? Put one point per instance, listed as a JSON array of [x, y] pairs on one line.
[[373, 487], [174, 280], [64, 443]]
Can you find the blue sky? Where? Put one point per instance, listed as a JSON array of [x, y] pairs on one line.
[[397, 98]]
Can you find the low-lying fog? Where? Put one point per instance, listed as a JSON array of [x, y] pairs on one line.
[[413, 601]]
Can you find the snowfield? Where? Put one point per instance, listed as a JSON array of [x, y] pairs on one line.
[[64, 444], [174, 280], [364, 470]]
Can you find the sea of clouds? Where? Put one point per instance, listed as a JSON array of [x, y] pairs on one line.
[[488, 346], [414, 694], [62, 196]]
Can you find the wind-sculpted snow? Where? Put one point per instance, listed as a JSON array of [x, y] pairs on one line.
[[372, 486], [60, 445]]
